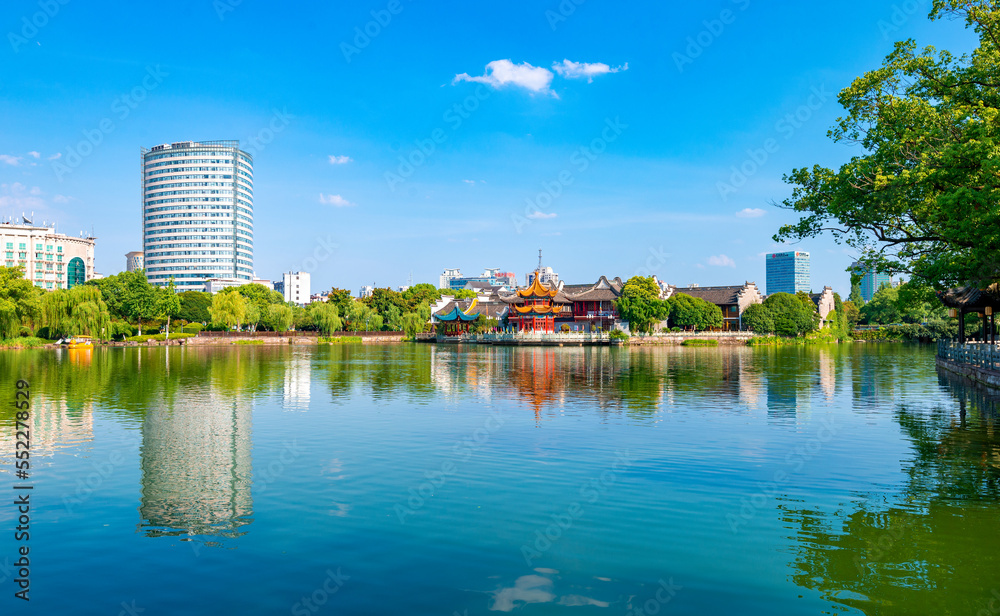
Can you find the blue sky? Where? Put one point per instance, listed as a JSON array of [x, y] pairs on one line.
[[452, 134]]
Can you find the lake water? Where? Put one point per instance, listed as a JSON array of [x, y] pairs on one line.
[[421, 479]]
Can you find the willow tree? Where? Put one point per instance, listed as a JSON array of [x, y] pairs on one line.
[[924, 195], [229, 309], [77, 311], [20, 301], [279, 317]]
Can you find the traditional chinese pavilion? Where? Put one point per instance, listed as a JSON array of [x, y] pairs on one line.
[[456, 321], [535, 309]]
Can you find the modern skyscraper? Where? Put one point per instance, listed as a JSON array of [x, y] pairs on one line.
[[788, 272], [871, 281], [134, 261], [197, 213]]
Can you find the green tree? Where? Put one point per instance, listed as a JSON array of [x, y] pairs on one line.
[[791, 317], [194, 306], [922, 194], [639, 303], [279, 317], [460, 294], [167, 304], [341, 298], [757, 318], [325, 316], [855, 296], [420, 293], [77, 311], [393, 319], [688, 311], [20, 301], [884, 307], [229, 309], [851, 316]]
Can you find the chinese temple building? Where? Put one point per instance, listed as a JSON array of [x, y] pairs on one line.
[[456, 321], [534, 308]]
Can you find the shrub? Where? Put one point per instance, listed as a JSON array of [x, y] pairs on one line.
[[701, 343], [246, 342], [192, 328], [564, 329], [618, 335], [26, 342], [24, 332], [341, 340], [158, 337]]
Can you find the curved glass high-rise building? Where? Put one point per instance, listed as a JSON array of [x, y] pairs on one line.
[[197, 213]]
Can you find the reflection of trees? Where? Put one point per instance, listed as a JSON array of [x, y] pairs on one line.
[[936, 549]]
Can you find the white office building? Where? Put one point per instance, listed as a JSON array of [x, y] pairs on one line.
[[134, 261], [197, 213], [295, 287], [50, 260]]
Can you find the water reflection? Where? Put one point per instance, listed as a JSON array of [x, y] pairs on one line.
[[932, 546]]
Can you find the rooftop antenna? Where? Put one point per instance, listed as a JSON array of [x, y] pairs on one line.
[[539, 259]]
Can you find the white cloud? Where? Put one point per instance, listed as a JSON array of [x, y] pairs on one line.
[[60, 199], [35, 191], [541, 215], [469, 181], [55, 156], [721, 261], [501, 73], [335, 201], [34, 154], [340, 160], [20, 197], [751, 212], [10, 160], [585, 70]]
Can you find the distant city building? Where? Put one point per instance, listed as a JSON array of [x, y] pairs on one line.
[[214, 285], [134, 261], [366, 292], [50, 260], [871, 281], [263, 281], [197, 211], [545, 276], [788, 272], [295, 287], [491, 277]]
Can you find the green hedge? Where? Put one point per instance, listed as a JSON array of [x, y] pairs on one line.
[[341, 340], [248, 342], [701, 343], [192, 328], [23, 342], [158, 337]]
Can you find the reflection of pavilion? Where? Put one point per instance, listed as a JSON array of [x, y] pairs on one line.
[[196, 468], [534, 374]]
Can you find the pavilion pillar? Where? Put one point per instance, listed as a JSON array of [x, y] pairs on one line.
[[993, 330], [985, 325], [961, 326]]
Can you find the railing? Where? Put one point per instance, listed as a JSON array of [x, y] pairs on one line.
[[978, 354], [536, 337], [235, 334]]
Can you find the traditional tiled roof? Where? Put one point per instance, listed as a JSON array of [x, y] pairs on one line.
[[720, 296], [453, 312], [603, 290], [537, 289], [971, 298]]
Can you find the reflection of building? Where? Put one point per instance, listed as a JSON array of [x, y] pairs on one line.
[[788, 272], [196, 467], [298, 378], [197, 208], [54, 424], [50, 260]]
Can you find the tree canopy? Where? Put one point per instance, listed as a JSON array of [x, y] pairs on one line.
[[640, 304], [923, 196], [694, 312], [791, 316]]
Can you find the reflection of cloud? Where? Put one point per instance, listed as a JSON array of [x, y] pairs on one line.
[[341, 510], [526, 589], [537, 589], [335, 468]]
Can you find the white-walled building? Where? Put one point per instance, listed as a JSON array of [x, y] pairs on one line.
[[134, 261], [214, 285], [295, 286], [197, 213], [50, 260]]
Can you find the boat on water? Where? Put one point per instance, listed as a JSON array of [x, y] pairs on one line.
[[80, 342]]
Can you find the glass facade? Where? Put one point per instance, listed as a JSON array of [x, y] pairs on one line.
[[871, 281], [788, 272], [197, 213]]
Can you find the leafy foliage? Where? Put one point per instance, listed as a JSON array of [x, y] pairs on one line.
[[791, 316], [687, 311], [640, 304], [922, 197], [758, 319]]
